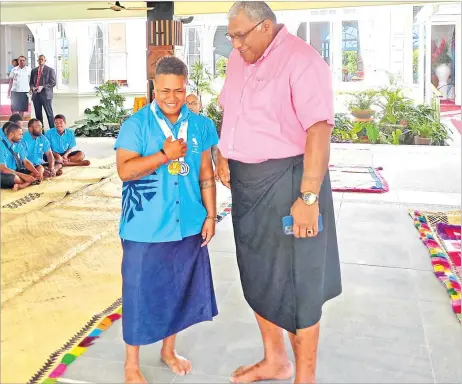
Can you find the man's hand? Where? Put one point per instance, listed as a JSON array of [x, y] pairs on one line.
[[52, 172], [9, 94], [208, 231], [305, 219], [175, 149], [38, 175], [222, 171], [25, 178]]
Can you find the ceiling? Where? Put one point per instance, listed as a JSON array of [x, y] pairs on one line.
[[17, 11]]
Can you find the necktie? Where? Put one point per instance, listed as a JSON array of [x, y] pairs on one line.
[[39, 76]]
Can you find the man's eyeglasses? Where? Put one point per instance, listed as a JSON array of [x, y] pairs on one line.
[[243, 36]]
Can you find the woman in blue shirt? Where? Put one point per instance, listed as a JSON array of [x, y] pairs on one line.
[[168, 218]]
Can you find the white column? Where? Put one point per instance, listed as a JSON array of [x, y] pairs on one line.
[[458, 57], [72, 35]]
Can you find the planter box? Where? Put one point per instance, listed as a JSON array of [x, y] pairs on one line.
[[422, 140]]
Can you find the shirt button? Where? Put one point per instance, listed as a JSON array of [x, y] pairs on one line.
[[178, 202], [177, 220], [176, 182]]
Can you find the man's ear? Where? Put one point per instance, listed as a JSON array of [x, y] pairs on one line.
[[266, 26]]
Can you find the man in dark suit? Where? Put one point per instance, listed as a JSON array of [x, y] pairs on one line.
[[42, 82]]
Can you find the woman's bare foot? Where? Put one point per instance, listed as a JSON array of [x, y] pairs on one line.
[[134, 376], [176, 363], [262, 371]]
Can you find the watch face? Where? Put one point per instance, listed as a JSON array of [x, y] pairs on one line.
[[309, 198]]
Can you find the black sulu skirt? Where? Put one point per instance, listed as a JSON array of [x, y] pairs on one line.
[[285, 280]]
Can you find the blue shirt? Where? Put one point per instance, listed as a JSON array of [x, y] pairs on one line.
[[162, 207], [61, 143], [7, 158], [210, 123], [36, 148]]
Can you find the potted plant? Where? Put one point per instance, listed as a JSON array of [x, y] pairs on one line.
[[361, 104], [423, 131], [103, 119]]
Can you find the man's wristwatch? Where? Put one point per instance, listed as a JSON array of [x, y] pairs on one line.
[[309, 198]]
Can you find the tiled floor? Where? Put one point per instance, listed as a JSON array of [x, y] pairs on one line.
[[392, 324]]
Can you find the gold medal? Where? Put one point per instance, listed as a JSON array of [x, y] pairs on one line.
[[174, 168]]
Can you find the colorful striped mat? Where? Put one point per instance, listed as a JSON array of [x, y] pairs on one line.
[[441, 234]]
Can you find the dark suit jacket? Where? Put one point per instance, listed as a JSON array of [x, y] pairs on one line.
[[47, 80]]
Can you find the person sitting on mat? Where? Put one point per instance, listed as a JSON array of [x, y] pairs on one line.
[[15, 118], [16, 171], [39, 150], [62, 142], [168, 218]]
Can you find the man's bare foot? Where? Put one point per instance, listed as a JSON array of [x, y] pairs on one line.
[[134, 376], [22, 186], [262, 371], [176, 363], [85, 163], [15, 187], [59, 172]]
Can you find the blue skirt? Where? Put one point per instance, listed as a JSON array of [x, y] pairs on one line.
[[166, 288]]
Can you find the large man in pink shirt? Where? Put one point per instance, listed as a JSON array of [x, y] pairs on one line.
[[274, 154]]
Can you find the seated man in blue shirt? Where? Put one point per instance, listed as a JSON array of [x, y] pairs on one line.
[[14, 118], [38, 147], [63, 142], [16, 171], [168, 218]]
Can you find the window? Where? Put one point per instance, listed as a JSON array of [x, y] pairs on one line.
[[117, 53], [62, 47], [352, 63], [192, 46], [320, 39], [97, 62]]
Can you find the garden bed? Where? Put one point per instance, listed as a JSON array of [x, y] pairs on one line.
[[386, 116]]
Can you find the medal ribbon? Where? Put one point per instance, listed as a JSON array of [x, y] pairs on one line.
[[182, 132]]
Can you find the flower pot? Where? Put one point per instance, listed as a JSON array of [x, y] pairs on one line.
[[422, 140], [362, 113]]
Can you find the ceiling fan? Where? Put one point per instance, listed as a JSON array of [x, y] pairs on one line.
[[117, 7]]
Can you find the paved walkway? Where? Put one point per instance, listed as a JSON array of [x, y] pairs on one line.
[[392, 324]]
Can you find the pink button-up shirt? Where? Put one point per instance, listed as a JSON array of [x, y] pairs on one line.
[[269, 106]]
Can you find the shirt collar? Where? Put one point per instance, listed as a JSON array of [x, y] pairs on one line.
[[278, 39], [184, 112]]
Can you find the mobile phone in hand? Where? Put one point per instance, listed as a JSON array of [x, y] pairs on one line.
[[288, 224]]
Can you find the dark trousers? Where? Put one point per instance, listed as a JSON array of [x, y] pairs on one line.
[[40, 101]]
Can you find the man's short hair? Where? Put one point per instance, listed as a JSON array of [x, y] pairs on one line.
[[60, 116], [42, 56], [5, 126], [15, 118], [171, 65], [24, 57], [12, 127], [32, 122], [256, 11]]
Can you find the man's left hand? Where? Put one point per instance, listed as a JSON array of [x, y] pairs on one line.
[[208, 231], [305, 219]]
